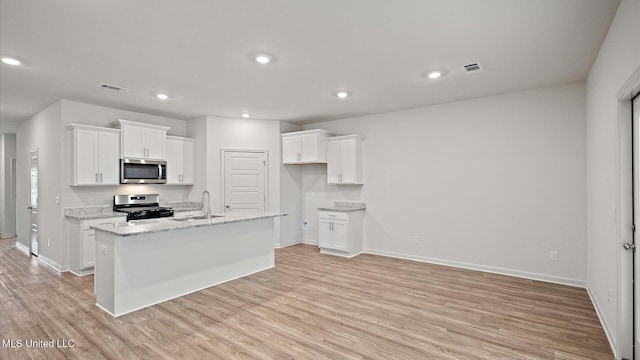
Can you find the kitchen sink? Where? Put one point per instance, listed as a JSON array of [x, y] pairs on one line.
[[199, 217]]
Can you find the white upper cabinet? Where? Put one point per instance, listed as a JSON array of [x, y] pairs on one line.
[[344, 159], [95, 155], [180, 160], [143, 141], [305, 147]]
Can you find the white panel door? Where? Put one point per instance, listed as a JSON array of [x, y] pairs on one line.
[[108, 158], [244, 180], [86, 157], [33, 200], [636, 186]]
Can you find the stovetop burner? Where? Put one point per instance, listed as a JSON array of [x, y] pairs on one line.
[[137, 207]]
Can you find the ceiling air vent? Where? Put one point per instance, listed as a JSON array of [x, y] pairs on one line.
[[113, 87], [473, 68]]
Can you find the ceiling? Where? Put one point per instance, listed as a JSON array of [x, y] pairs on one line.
[[200, 52]]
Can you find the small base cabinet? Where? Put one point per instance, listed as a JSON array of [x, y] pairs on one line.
[[340, 233], [82, 243]]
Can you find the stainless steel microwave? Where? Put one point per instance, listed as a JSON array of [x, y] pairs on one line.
[[140, 171]]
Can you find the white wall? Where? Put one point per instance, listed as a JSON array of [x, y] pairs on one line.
[[43, 131], [7, 210], [494, 183], [74, 112], [290, 196], [7, 127], [46, 131], [617, 60]]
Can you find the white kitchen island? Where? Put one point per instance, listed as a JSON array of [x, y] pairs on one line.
[[151, 261]]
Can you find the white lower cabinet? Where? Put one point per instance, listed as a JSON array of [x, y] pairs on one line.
[[82, 243], [340, 233]]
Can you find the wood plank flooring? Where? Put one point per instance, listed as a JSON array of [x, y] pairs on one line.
[[310, 306]]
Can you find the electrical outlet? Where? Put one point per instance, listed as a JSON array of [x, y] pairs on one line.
[[416, 240], [609, 295], [553, 256], [304, 224], [49, 242]]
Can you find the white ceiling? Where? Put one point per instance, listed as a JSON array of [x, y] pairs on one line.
[[200, 52]]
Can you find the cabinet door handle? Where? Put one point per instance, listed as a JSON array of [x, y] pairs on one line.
[[101, 177], [97, 177]]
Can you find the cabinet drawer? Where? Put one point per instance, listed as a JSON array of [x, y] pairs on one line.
[[334, 215]]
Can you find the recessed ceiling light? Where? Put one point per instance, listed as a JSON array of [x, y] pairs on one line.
[[434, 74], [343, 94], [246, 115], [162, 96], [263, 58], [11, 61]]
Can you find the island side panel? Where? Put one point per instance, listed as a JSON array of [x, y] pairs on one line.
[[104, 261], [152, 268]]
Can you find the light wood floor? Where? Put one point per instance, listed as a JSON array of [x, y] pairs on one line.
[[310, 306]]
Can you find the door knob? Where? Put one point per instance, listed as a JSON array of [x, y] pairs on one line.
[[628, 246], [228, 206]]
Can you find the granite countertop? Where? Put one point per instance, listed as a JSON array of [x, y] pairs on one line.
[[183, 205], [92, 212], [149, 226], [345, 206]]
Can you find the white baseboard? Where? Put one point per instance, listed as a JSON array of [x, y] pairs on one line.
[[7, 235], [607, 332], [22, 247], [489, 269], [304, 241], [280, 246], [51, 263]]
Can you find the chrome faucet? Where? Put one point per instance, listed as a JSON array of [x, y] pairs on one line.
[[206, 211]]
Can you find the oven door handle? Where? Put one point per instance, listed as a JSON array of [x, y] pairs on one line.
[[160, 171]]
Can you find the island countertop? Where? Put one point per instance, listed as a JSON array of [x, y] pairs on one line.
[[140, 227]]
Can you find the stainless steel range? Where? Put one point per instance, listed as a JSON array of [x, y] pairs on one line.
[[141, 206]]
